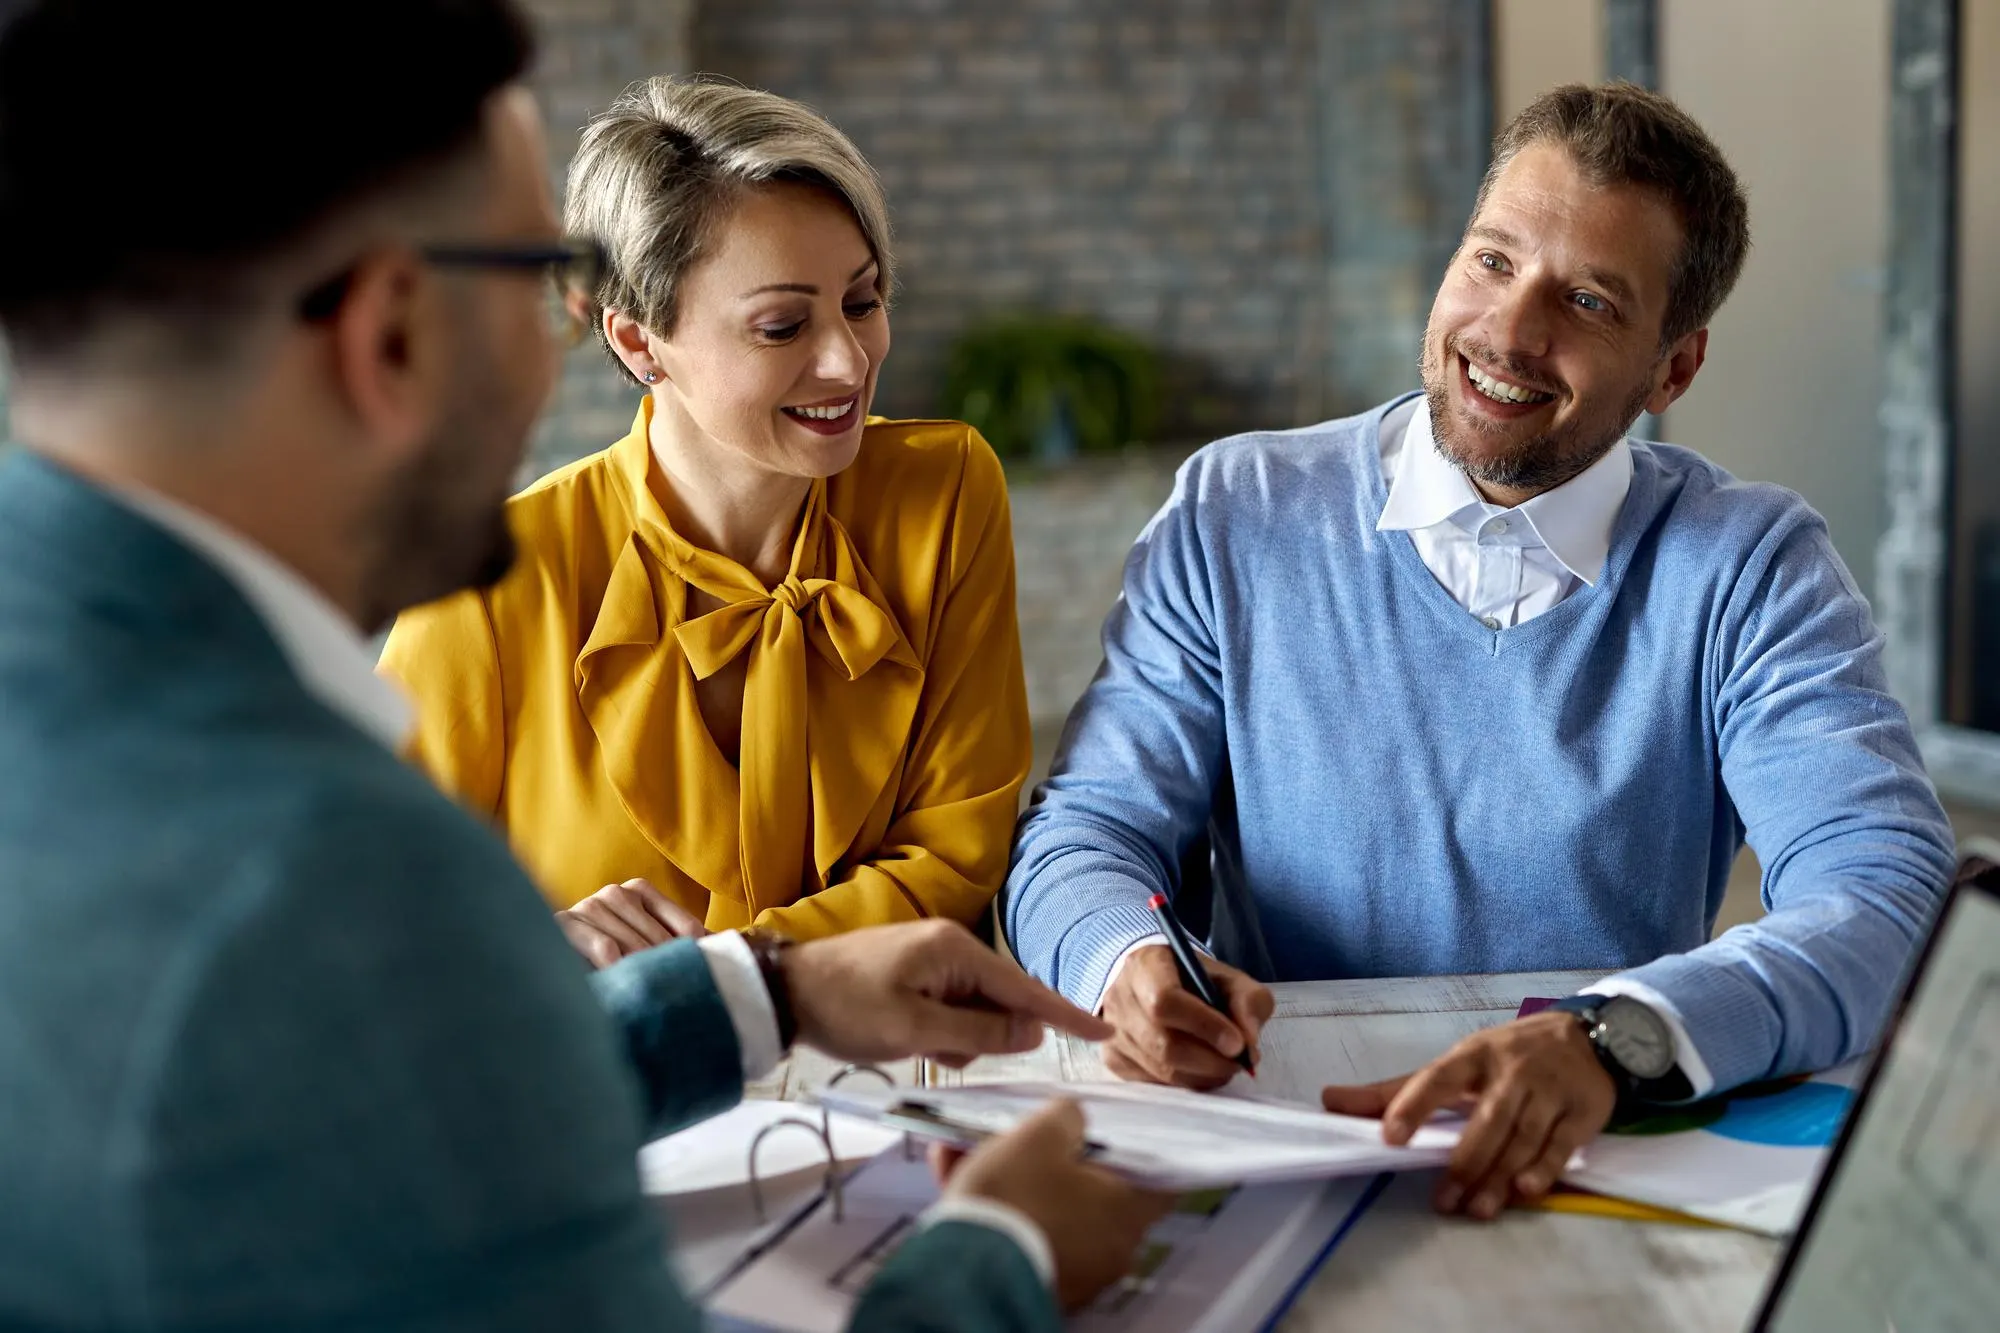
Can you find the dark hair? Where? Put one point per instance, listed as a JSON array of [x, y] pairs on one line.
[[153, 154], [1622, 134]]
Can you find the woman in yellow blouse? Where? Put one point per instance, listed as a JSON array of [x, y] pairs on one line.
[[757, 664]]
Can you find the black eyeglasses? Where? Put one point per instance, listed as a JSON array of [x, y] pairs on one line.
[[573, 266]]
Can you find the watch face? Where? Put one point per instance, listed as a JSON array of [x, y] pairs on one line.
[[1636, 1037]]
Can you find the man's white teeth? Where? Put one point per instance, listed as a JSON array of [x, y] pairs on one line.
[[1500, 390], [823, 413]]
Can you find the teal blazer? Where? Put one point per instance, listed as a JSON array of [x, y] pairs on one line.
[[287, 1040]]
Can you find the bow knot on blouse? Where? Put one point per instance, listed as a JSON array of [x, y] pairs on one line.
[[821, 643], [848, 630], [883, 735]]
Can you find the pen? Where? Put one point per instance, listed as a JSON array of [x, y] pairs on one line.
[[926, 1120], [1193, 975]]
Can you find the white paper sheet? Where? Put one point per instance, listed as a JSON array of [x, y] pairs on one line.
[[716, 1152], [1175, 1139], [1751, 1166]]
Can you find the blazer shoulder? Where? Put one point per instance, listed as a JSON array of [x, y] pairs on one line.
[[359, 812], [360, 852]]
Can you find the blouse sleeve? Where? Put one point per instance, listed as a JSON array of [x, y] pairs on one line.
[[446, 658], [945, 851]]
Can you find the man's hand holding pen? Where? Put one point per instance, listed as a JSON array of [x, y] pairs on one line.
[[1166, 1034]]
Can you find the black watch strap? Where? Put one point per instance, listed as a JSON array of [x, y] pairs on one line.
[[768, 948]]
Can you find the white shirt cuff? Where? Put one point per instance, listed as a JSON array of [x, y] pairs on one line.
[[1685, 1054], [1118, 965], [751, 1012], [1008, 1221]]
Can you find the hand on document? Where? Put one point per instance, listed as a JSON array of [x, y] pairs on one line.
[[1093, 1220], [1167, 1035], [1533, 1093], [922, 988], [622, 919]]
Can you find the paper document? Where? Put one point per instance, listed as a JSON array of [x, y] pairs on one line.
[[716, 1152], [1747, 1158], [1169, 1138], [1226, 1260]]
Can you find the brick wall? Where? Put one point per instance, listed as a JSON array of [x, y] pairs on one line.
[[1145, 161], [1264, 189]]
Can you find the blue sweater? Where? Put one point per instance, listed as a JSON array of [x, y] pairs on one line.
[[1393, 789]]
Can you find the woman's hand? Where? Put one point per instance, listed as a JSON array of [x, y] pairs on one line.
[[620, 919]]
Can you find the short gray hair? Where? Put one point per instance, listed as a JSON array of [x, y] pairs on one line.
[[658, 170]]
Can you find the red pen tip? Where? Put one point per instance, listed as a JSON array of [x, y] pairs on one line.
[[1157, 900]]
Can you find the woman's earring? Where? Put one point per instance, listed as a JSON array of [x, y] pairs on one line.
[[651, 377]]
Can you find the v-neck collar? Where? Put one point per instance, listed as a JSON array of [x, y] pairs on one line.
[[1557, 619]]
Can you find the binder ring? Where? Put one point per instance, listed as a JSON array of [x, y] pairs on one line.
[[823, 1131], [847, 1071], [826, 1117], [832, 1181]]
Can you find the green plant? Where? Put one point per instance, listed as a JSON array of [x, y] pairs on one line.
[[1049, 386]]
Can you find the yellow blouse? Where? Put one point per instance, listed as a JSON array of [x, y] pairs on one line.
[[885, 718]]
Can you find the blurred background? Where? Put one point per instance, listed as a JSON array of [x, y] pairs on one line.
[[1127, 227]]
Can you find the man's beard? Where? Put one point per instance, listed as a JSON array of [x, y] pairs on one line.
[[1540, 463], [438, 530]]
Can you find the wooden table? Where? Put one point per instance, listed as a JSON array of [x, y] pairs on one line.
[[1403, 1267]]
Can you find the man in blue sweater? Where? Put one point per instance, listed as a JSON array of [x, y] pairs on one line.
[[1475, 683], [287, 1040]]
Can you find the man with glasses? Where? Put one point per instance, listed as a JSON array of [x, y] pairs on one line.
[[289, 1041]]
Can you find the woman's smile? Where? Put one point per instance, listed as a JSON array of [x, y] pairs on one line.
[[835, 416]]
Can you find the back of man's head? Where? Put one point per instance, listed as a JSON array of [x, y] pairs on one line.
[[159, 162]]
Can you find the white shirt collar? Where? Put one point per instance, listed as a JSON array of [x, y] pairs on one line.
[[330, 656], [1575, 520]]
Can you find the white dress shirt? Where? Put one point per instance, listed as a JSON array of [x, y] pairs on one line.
[[337, 666], [1505, 566]]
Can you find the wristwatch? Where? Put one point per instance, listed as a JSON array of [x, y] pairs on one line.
[[768, 948], [1635, 1046]]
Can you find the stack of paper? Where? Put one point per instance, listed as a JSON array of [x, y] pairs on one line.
[[1168, 1138]]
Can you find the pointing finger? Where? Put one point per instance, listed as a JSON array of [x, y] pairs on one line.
[[1025, 999]]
